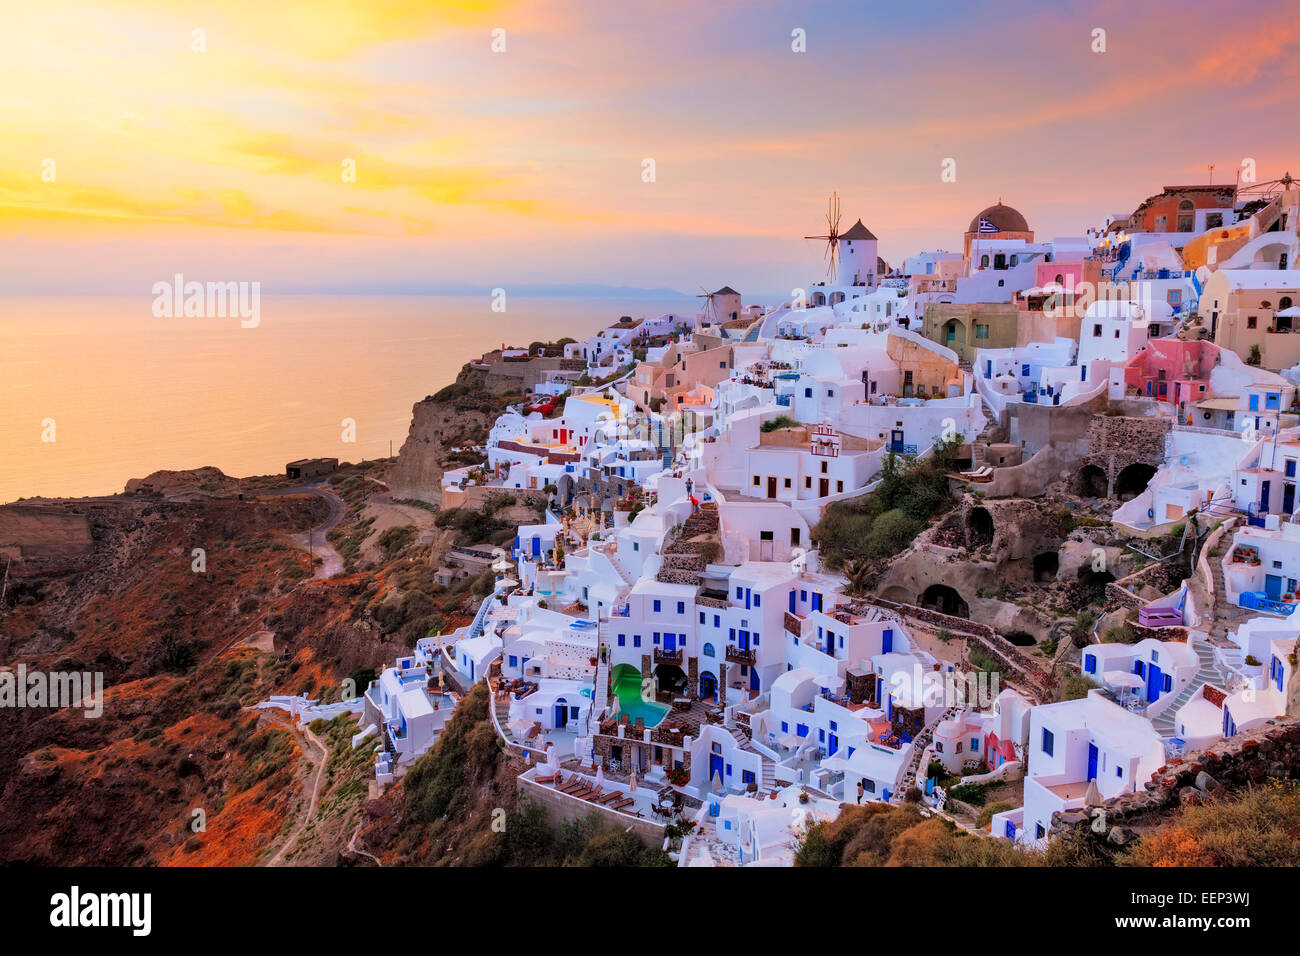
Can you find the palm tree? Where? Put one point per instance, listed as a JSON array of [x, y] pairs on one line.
[[856, 572]]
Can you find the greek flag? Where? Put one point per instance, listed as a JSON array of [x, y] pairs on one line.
[[986, 226]]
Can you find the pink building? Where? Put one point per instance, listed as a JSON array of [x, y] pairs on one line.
[[1173, 371]]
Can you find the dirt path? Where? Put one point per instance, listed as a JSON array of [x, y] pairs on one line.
[[316, 541], [317, 782]]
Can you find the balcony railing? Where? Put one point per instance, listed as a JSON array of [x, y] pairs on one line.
[[662, 656], [741, 655]]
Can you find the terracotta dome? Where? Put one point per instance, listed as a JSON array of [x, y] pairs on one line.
[[1004, 217]]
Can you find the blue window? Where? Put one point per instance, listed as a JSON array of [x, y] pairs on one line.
[[728, 770], [803, 595], [514, 661], [1048, 741], [1271, 401], [1090, 663], [717, 621], [658, 606], [707, 650], [1169, 684], [1119, 772], [655, 637], [756, 600], [622, 640], [681, 607], [740, 593], [974, 743], [701, 617], [821, 735], [747, 777], [636, 640], [834, 727], [807, 393], [785, 727], [1039, 832], [801, 730]]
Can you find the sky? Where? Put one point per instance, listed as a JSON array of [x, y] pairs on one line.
[[135, 147]]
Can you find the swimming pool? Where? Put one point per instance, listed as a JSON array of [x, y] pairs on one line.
[[628, 688]]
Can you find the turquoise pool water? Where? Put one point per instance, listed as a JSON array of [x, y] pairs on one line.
[[630, 702]]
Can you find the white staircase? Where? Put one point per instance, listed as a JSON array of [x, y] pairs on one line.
[[1209, 672]]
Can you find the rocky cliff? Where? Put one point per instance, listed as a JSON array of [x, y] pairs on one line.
[[459, 415]]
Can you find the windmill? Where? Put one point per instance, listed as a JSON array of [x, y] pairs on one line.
[[707, 296], [832, 238]]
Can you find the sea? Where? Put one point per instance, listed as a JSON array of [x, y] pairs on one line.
[[95, 391]]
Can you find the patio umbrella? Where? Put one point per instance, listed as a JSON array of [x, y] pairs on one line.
[[600, 776], [1092, 798], [716, 782], [1122, 679], [520, 725], [631, 783], [552, 758]]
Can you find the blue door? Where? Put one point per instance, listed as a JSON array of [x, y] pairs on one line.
[[1288, 498], [832, 744], [742, 639], [1010, 831], [561, 713], [537, 546], [1155, 681], [670, 642], [753, 678], [1263, 496], [1254, 403], [1273, 586], [896, 441], [988, 368], [715, 767], [792, 602], [887, 640], [1092, 761]]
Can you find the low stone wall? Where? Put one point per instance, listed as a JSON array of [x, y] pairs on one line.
[[562, 808], [1269, 752], [1016, 666]]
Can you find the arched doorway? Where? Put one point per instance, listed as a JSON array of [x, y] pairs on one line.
[[1092, 482], [945, 600], [1133, 480], [1045, 567], [979, 524], [670, 678], [708, 686], [561, 713], [954, 333]]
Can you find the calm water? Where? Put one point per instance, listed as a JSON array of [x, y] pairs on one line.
[[130, 394]]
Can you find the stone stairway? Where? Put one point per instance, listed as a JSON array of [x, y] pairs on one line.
[[682, 563], [741, 733], [919, 744], [1208, 673]]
